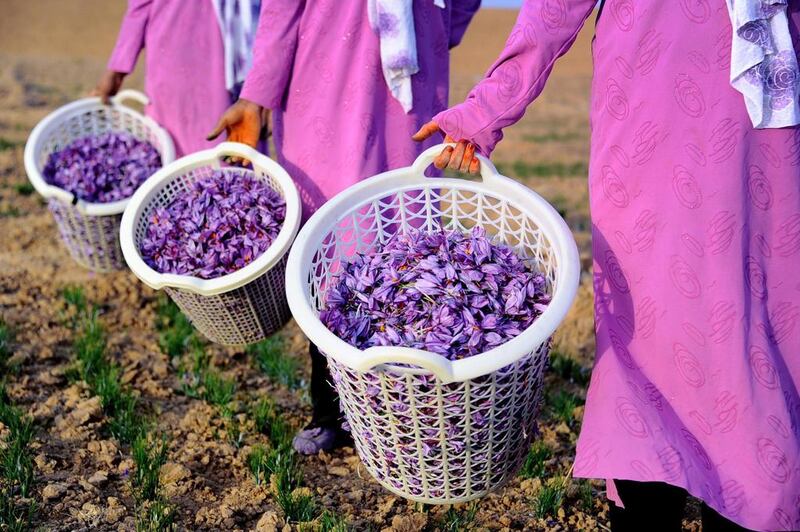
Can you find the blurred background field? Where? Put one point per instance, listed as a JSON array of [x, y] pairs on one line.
[[204, 399]]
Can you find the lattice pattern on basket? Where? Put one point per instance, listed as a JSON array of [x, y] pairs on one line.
[[422, 439], [429, 209], [434, 442], [93, 241], [240, 316]]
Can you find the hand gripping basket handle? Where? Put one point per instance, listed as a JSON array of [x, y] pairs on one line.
[[379, 355], [488, 171], [130, 95]]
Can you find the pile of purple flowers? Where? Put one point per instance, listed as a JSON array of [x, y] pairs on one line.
[[446, 292], [220, 224], [102, 168]]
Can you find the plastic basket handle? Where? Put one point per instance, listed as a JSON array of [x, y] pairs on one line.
[[488, 171], [130, 95], [235, 149], [379, 355]]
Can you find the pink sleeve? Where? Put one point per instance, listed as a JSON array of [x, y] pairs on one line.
[[131, 37], [273, 52], [460, 17], [544, 31]]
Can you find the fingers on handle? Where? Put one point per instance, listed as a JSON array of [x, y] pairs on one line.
[[458, 155], [101, 93], [469, 156], [443, 158], [218, 129], [475, 166], [426, 131]]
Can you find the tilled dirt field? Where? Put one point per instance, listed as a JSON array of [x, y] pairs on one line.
[[84, 477]]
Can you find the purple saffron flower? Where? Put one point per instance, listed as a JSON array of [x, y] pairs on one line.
[[446, 292], [102, 168], [220, 224]]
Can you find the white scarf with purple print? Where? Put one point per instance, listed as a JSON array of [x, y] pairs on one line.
[[764, 62], [393, 21], [238, 21]]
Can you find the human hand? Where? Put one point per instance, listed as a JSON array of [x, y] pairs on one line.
[[243, 122], [108, 85], [460, 158]]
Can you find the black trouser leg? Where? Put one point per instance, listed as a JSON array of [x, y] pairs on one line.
[[714, 522], [650, 506], [324, 399]]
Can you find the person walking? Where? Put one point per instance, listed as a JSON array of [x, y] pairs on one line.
[[347, 84], [197, 54], [694, 184]]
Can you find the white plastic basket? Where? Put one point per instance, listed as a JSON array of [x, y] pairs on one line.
[[435, 430], [242, 307], [90, 230]]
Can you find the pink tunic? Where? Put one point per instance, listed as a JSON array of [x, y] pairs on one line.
[[184, 65], [696, 242], [317, 66]]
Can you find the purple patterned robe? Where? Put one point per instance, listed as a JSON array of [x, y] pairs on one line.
[[317, 65], [696, 236], [184, 66]]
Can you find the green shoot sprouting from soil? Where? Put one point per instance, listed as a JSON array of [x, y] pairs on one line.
[[455, 521], [125, 423], [90, 348], [297, 507], [12, 517], [218, 390], [199, 379], [257, 462], [16, 462], [5, 343], [331, 522], [153, 511], [279, 464], [269, 422], [156, 516], [270, 358], [75, 297], [550, 497], [586, 494], [193, 371], [536, 461], [562, 405], [24, 189], [523, 169], [148, 456], [568, 369], [176, 330], [16, 466], [103, 379]]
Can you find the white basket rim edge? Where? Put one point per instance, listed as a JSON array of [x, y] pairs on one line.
[[209, 287], [82, 105], [551, 224]]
